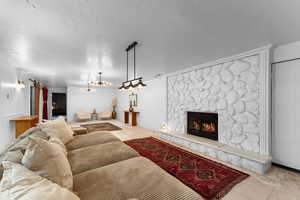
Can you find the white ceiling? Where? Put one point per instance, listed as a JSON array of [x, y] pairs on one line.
[[63, 41]]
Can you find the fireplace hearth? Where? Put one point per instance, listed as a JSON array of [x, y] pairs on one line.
[[203, 124]]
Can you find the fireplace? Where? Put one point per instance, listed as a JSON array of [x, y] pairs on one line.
[[203, 124]]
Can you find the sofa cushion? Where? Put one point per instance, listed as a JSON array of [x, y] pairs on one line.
[[41, 134], [19, 183], [15, 150], [32, 131], [95, 156], [13, 156], [21, 142], [94, 138], [59, 129], [136, 178], [57, 141], [48, 160]]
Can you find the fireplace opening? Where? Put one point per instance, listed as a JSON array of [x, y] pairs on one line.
[[203, 124]]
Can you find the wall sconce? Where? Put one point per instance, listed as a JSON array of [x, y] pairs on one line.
[[20, 84]]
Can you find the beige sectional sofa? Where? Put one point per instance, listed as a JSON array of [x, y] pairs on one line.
[[105, 168]]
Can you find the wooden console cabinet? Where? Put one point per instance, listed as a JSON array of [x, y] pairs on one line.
[[23, 123], [133, 120]]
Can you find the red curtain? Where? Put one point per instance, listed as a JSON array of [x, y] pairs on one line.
[[37, 99], [45, 107]]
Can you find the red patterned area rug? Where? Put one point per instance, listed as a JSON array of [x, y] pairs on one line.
[[210, 179]]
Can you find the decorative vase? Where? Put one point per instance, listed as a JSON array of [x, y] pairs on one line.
[[130, 107]]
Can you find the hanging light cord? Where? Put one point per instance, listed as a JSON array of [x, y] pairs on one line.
[[127, 67], [134, 69]]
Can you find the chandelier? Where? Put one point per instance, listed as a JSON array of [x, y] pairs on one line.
[[100, 82], [135, 83], [88, 89]]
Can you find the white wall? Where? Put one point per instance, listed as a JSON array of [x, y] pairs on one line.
[[285, 106], [286, 52], [14, 102], [151, 104], [81, 100]]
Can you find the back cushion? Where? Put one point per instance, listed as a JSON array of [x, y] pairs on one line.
[[19, 183], [49, 161], [57, 141], [14, 152], [22, 144], [19, 140], [58, 129], [13, 156]]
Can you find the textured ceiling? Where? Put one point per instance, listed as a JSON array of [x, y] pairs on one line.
[[68, 41]]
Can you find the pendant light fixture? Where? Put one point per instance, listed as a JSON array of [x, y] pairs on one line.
[[135, 83], [100, 82], [88, 89], [140, 84]]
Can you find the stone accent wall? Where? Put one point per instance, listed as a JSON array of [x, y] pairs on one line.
[[232, 89]]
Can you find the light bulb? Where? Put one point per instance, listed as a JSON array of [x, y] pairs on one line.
[[140, 86]]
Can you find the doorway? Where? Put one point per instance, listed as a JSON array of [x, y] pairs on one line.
[[59, 104]]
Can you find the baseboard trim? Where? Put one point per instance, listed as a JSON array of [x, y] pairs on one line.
[[286, 167]]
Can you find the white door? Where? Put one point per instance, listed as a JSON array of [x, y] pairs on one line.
[[286, 114]]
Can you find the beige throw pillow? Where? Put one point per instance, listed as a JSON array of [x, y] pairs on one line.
[[58, 142], [22, 144], [59, 129], [19, 183], [49, 161], [13, 156]]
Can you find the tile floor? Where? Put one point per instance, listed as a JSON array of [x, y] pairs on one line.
[[277, 184]]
